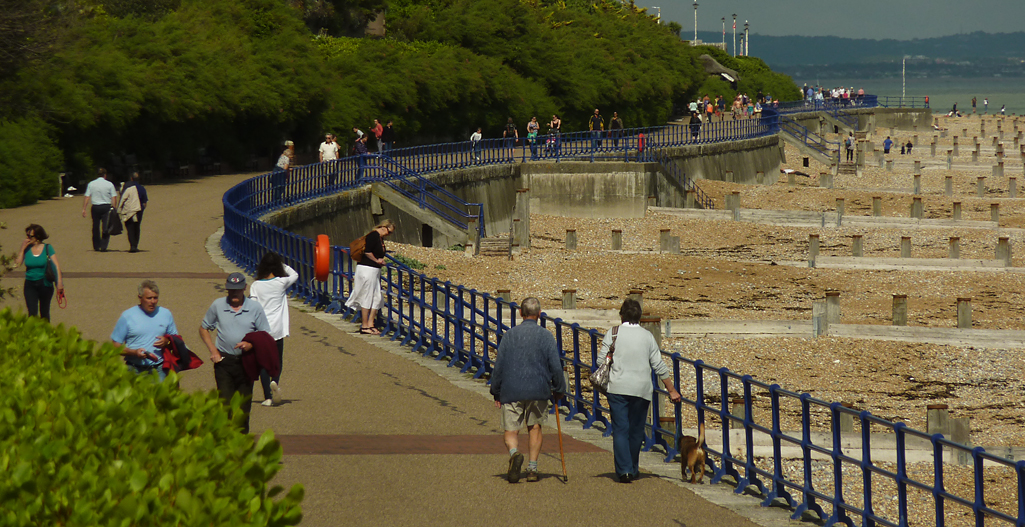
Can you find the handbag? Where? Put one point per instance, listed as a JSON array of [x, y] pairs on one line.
[[600, 377], [112, 223], [357, 248], [51, 269]]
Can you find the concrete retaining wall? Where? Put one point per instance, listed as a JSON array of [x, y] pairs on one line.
[[744, 158], [569, 188], [904, 118]]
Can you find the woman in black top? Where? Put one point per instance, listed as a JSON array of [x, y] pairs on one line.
[[366, 286]]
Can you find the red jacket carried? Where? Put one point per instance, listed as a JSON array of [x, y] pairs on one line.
[[264, 355]]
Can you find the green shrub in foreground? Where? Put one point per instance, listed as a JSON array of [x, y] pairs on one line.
[[85, 442]]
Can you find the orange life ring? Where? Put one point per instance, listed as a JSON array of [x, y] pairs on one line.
[[322, 258]]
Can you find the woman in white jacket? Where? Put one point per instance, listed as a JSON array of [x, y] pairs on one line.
[[273, 278]]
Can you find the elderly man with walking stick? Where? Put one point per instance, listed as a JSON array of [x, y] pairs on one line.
[[527, 373]]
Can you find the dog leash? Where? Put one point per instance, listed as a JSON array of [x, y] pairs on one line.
[[62, 300]]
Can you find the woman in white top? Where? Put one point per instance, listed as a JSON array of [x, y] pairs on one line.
[[273, 278], [634, 358]]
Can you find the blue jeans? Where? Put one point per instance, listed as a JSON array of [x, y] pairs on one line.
[[595, 139], [628, 418]]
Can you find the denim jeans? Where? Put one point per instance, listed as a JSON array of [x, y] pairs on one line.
[[159, 370], [628, 419]]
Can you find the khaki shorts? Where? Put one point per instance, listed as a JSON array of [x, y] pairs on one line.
[[524, 413]]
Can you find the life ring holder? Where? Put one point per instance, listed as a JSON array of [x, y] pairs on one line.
[[322, 258]]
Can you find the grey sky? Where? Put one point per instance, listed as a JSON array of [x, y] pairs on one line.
[[876, 19]]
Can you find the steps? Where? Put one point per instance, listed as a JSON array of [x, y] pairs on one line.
[[496, 246]]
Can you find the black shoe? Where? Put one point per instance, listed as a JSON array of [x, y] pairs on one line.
[[133, 250], [515, 463], [635, 477], [625, 478]]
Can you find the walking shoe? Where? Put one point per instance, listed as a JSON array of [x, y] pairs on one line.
[[275, 393], [515, 463], [531, 476], [624, 478], [267, 402]]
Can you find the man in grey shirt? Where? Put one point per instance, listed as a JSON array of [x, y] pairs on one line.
[[527, 372], [102, 195], [233, 317]]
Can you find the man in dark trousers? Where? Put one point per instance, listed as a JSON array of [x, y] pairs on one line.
[[233, 317], [596, 125], [102, 195], [527, 372]]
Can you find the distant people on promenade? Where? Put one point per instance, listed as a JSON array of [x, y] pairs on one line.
[[279, 178], [270, 290], [388, 136], [142, 330], [532, 129], [102, 196], [133, 203], [848, 144], [330, 151], [234, 318], [528, 372], [475, 139], [37, 255], [596, 125], [615, 129], [378, 131], [1003, 109], [555, 135], [635, 356], [366, 283], [510, 136], [695, 126], [985, 105]]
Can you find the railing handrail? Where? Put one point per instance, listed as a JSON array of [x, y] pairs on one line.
[[465, 326]]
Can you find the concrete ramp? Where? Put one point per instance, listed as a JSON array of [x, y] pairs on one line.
[[414, 209], [815, 153], [837, 122]]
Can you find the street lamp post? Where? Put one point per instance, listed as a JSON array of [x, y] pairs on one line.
[[695, 22], [747, 39], [724, 33], [734, 34], [659, 17]]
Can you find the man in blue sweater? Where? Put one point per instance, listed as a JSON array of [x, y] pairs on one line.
[[528, 370]]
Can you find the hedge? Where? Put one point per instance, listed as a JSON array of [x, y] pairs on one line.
[[85, 442]]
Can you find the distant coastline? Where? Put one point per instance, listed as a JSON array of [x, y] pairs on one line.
[[943, 92]]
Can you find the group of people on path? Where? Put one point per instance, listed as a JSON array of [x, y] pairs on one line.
[[708, 109], [110, 209], [244, 335], [975, 101], [904, 148]]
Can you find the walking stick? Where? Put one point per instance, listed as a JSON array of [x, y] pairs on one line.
[[562, 455]]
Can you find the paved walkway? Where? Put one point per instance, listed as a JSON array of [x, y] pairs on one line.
[[377, 435]]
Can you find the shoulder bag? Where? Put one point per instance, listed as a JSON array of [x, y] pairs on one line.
[[357, 248], [51, 269], [600, 378]]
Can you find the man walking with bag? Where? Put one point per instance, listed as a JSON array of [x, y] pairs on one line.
[[527, 373], [102, 195]]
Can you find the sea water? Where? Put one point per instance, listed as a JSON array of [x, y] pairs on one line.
[[943, 92]]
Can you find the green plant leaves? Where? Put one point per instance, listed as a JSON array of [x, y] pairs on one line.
[[85, 442]]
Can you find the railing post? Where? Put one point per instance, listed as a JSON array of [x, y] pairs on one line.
[[956, 215], [663, 240], [954, 251], [569, 298], [905, 247], [813, 249], [571, 239], [857, 248]]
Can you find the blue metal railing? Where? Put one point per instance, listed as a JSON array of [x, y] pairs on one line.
[[887, 101], [464, 326], [701, 199], [828, 148], [424, 192], [828, 105]]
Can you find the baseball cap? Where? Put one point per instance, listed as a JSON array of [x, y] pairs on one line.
[[235, 281]]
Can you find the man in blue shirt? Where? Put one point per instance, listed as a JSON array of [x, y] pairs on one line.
[[233, 317], [103, 196], [143, 330], [887, 144]]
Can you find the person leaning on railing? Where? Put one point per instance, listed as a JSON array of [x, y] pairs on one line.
[[634, 357], [366, 286]]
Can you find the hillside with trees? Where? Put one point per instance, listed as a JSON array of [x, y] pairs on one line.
[[166, 83]]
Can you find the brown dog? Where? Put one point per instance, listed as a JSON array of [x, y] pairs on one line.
[[692, 453]]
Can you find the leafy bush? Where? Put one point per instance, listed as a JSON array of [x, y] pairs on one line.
[[85, 442], [29, 163], [409, 262]]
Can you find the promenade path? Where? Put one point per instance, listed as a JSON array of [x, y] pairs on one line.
[[376, 436]]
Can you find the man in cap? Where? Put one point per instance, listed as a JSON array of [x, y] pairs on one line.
[[233, 317]]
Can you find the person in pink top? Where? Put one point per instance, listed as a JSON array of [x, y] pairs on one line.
[[377, 131]]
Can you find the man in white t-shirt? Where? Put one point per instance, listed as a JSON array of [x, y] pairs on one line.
[[328, 149], [102, 195]]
